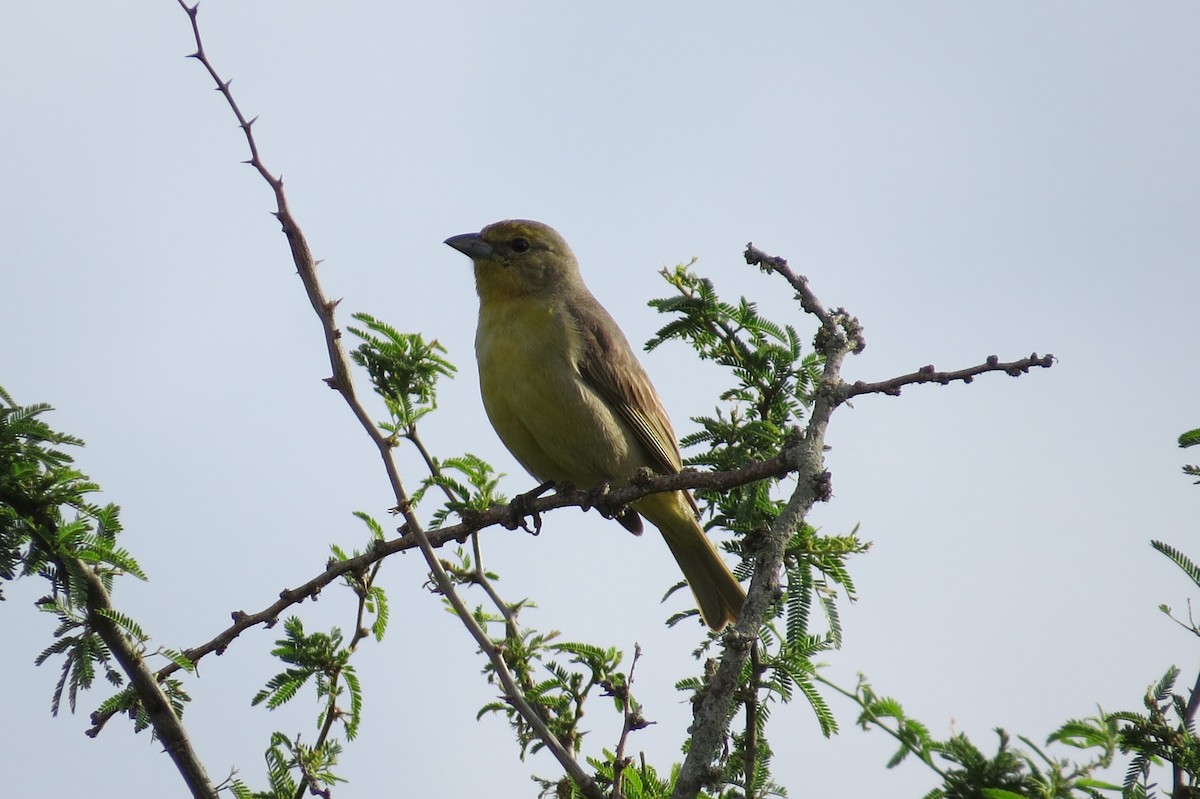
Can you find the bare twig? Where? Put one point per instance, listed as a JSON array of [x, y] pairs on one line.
[[632, 720], [512, 629], [808, 300], [492, 517], [928, 374]]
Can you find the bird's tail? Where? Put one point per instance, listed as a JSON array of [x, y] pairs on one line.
[[718, 593]]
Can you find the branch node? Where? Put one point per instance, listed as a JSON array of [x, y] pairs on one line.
[[822, 485]]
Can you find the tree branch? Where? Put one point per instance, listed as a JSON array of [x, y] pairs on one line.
[[497, 515], [342, 382], [839, 335], [167, 726], [494, 516], [928, 374]]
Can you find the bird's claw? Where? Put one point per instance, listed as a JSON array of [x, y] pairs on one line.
[[597, 498], [522, 507]]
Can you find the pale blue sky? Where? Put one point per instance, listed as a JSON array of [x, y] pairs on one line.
[[968, 178]]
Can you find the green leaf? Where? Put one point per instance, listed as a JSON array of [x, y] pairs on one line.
[[1179, 559], [1190, 439]]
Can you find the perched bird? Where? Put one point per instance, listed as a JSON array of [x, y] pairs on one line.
[[569, 399]]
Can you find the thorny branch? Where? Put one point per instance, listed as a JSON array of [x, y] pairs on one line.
[[838, 336], [495, 516], [342, 382]]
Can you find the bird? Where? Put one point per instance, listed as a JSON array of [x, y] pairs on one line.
[[568, 398]]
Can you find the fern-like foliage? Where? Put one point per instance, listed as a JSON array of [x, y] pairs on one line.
[[772, 385], [321, 658], [404, 370], [50, 527], [468, 482], [295, 767], [967, 772], [1179, 559]]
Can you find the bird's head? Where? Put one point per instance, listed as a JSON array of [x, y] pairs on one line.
[[518, 257]]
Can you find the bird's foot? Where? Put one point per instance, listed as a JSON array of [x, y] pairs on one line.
[[598, 498], [522, 507]]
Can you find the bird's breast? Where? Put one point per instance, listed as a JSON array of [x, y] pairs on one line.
[[554, 424]]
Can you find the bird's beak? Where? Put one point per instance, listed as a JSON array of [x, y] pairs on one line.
[[472, 245]]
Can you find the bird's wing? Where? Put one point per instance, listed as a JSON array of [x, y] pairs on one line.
[[608, 365]]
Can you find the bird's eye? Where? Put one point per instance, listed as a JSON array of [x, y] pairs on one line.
[[519, 244]]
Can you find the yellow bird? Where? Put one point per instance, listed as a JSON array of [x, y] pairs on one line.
[[569, 399]]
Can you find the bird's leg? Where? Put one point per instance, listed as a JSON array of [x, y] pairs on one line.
[[598, 498], [522, 506]]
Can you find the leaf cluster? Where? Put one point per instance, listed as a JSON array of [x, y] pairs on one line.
[[285, 758], [1165, 731], [773, 385], [1190, 439], [468, 482], [404, 370], [49, 527], [322, 659], [967, 772], [557, 678]]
